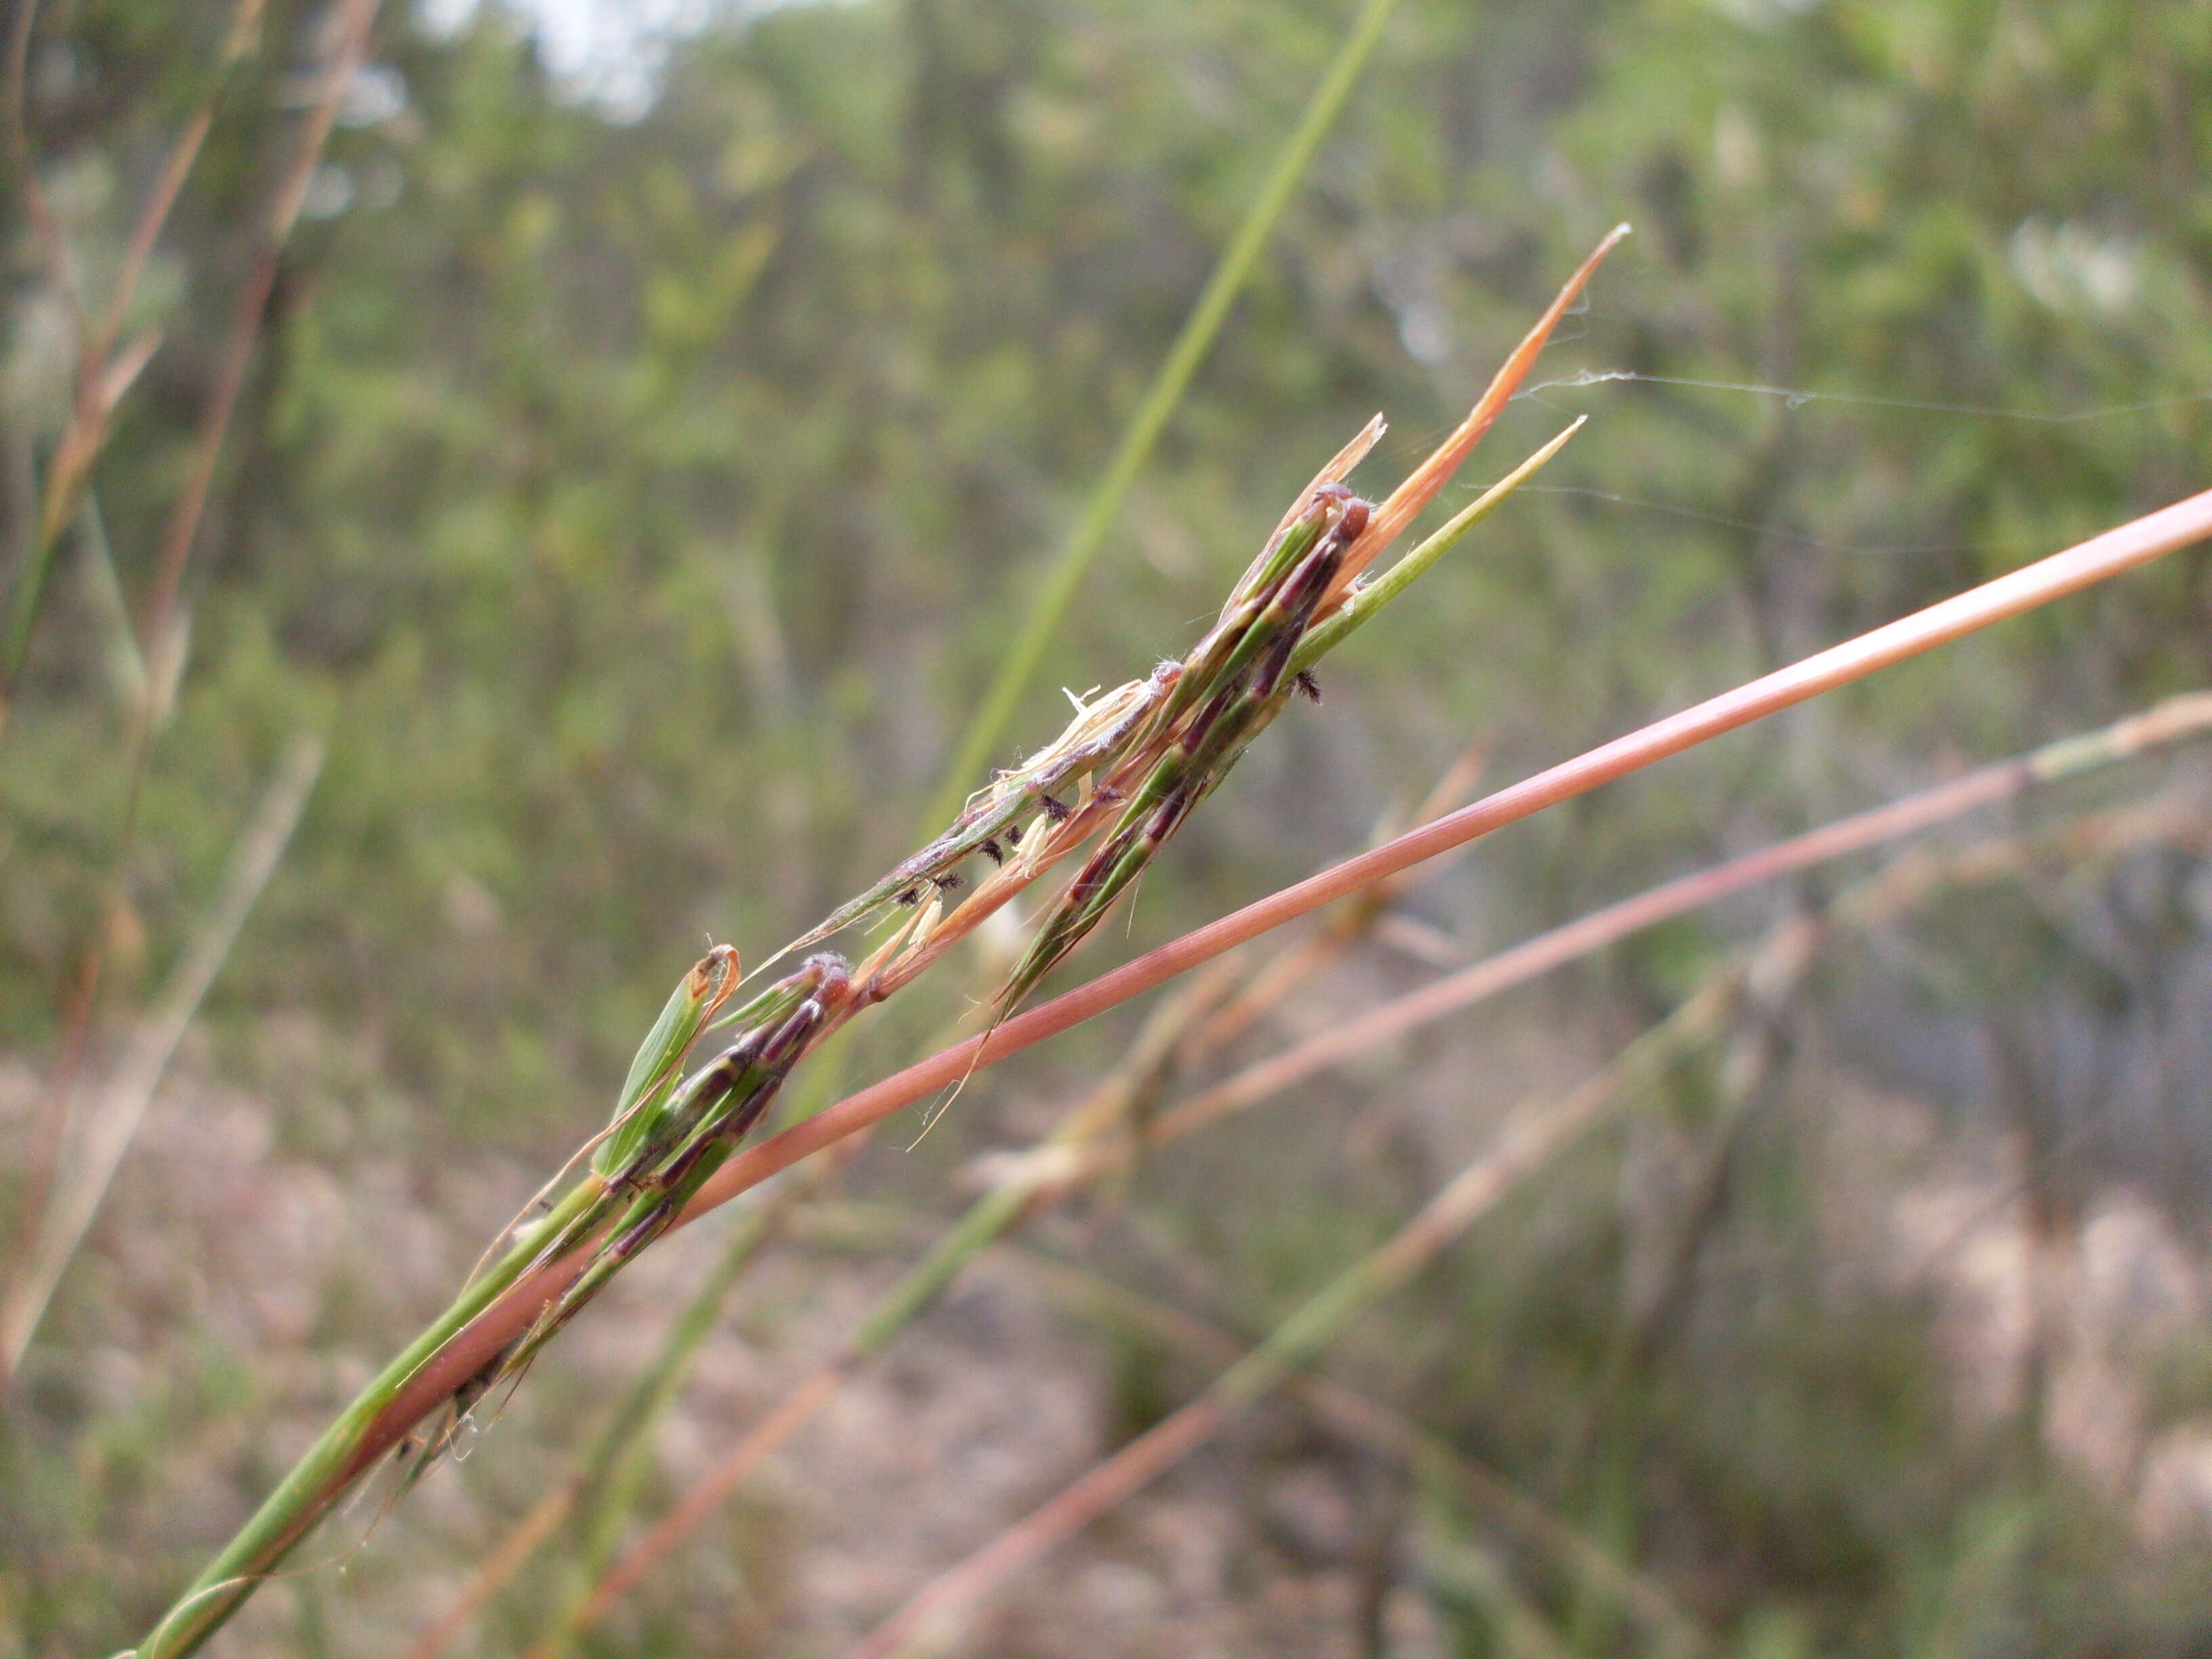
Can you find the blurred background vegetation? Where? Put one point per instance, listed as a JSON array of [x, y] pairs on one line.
[[646, 458]]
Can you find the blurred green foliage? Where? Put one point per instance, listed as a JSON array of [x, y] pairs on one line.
[[638, 506]]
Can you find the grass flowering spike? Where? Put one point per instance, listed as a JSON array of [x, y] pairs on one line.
[[1132, 763]]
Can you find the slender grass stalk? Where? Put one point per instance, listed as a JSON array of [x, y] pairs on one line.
[[1081, 1149], [92, 1145], [1066, 573]]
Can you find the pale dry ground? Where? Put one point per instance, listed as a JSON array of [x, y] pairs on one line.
[[242, 1281]]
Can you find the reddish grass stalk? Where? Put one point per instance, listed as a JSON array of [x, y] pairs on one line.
[[2096, 560], [2175, 718]]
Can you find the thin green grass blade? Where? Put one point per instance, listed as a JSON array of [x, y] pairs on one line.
[[1324, 637], [1069, 565]]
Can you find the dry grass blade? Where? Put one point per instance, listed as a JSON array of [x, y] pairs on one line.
[[94, 1142]]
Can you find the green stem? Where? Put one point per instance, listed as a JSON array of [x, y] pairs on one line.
[[323, 1476], [1168, 387]]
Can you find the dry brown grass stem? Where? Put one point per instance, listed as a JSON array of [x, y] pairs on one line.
[[1364, 1422], [349, 29], [92, 1141], [2096, 560]]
